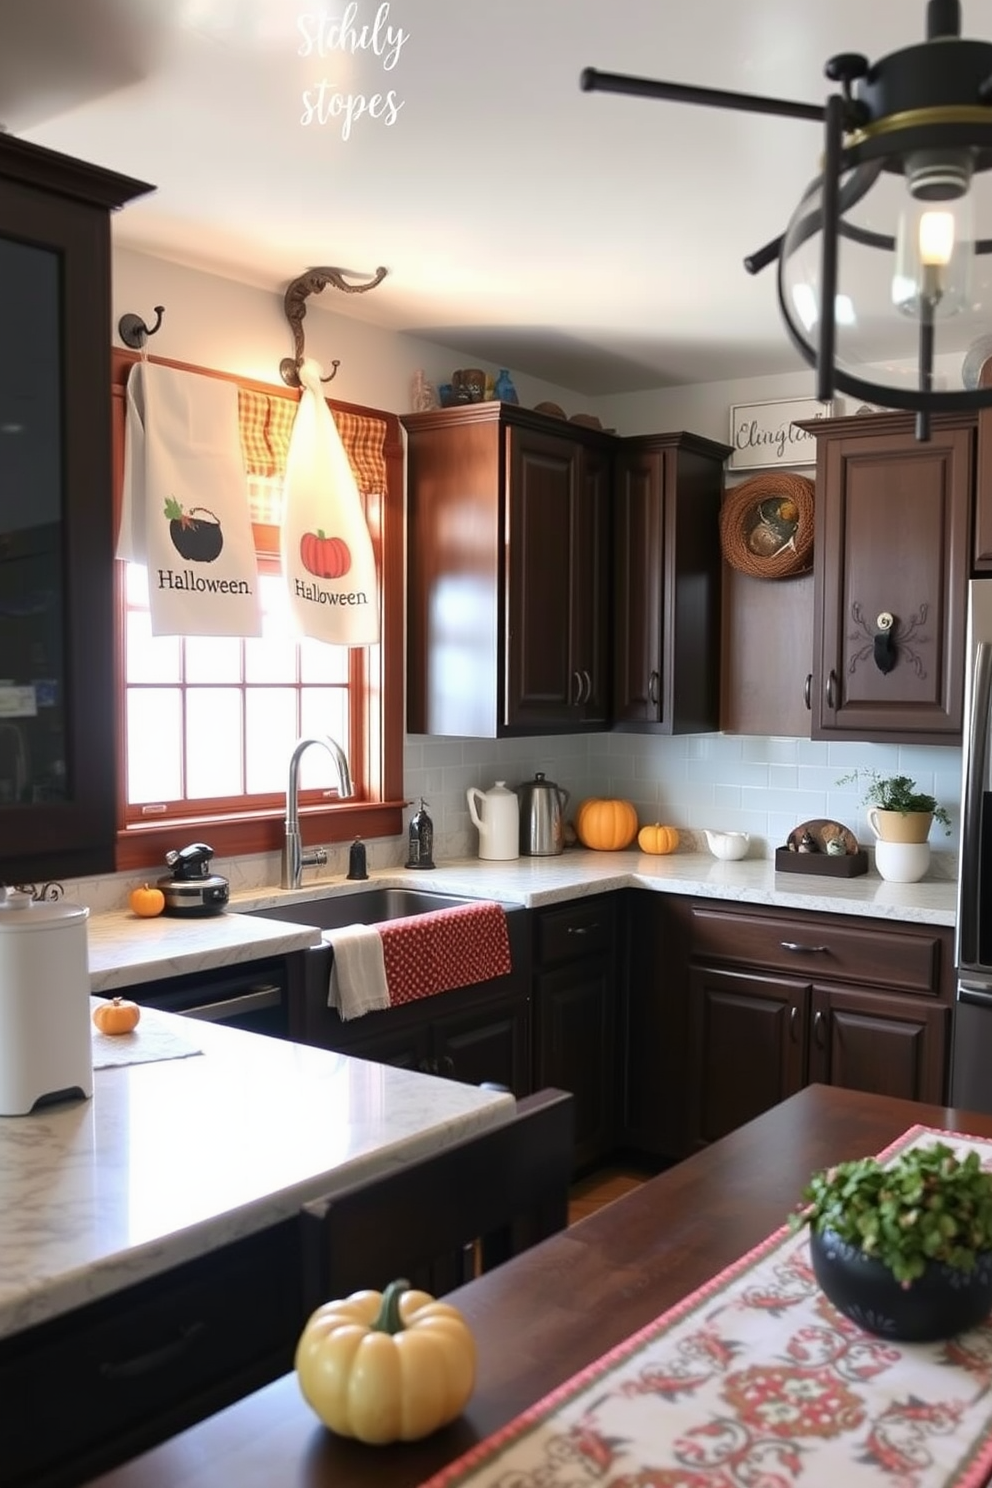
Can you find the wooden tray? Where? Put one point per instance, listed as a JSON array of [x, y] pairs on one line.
[[847, 865]]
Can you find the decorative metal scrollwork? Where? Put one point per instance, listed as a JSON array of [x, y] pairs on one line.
[[885, 643], [50, 891], [299, 291]]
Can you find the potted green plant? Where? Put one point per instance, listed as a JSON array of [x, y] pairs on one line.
[[900, 812], [903, 1247]]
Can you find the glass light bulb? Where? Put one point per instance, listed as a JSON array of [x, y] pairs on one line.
[[936, 237], [934, 251]]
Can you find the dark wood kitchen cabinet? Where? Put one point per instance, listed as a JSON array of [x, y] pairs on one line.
[[667, 584], [779, 999], [148, 1361], [575, 1016], [508, 573], [892, 557], [58, 737]]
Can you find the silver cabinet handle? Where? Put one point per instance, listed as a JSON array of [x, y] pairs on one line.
[[808, 691], [819, 1028], [794, 1025], [577, 679], [582, 929], [653, 681], [831, 689], [803, 950], [588, 681], [235, 1007]]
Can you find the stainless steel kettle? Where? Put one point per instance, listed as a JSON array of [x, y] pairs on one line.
[[542, 817]]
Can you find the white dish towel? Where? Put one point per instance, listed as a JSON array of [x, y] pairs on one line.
[[358, 975]]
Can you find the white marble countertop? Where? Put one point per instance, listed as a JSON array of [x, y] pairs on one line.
[[170, 1160], [125, 950]]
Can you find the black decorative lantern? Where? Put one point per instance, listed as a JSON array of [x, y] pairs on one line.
[[886, 265]]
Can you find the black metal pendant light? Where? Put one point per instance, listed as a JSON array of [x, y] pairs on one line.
[[886, 264]]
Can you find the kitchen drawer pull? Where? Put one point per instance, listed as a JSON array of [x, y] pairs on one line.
[[832, 691], [794, 1025], [234, 1007], [653, 681], [819, 1028], [588, 681], [155, 1358], [577, 679], [446, 1065], [803, 950], [582, 929], [808, 692]]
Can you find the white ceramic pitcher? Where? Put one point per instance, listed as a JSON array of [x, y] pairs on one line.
[[496, 813]]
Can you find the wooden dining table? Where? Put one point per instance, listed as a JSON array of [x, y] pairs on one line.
[[540, 1318]]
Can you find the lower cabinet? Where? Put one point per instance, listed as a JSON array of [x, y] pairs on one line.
[[96, 1386], [462, 1036], [778, 1000], [575, 1006], [478, 1035]]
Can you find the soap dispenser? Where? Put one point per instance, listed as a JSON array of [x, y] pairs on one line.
[[421, 839]]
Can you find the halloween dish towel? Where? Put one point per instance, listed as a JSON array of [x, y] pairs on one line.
[[328, 561], [185, 511]]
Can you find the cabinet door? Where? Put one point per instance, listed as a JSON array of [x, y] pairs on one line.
[[489, 1042], [57, 739], [886, 1044], [654, 1025], [892, 540], [574, 1032], [589, 585], [407, 1047], [639, 566], [748, 1047]]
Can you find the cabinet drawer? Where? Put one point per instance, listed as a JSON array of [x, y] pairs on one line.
[[818, 948], [109, 1379], [579, 929]]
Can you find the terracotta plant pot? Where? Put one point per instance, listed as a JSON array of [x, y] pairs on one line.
[[900, 826], [940, 1303]]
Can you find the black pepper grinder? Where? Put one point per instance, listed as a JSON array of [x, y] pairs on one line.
[[421, 839], [357, 862]]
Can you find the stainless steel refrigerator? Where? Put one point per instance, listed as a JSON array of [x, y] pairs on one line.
[[971, 1057]]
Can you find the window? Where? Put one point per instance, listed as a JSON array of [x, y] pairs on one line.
[[207, 724]]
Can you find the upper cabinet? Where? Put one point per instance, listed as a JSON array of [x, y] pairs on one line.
[[892, 559], [667, 584], [508, 573], [58, 733]]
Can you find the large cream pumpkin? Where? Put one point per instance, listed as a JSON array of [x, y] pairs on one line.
[[606, 824]]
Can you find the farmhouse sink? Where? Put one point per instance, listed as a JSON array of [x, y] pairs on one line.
[[368, 907]]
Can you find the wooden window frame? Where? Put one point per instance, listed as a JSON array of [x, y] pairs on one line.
[[377, 675]]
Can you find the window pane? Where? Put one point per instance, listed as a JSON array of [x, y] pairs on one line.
[[213, 742], [324, 710], [150, 658], [320, 662], [136, 585], [272, 731], [154, 745], [213, 659], [270, 659]]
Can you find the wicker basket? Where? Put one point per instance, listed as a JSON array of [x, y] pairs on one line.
[[766, 526]]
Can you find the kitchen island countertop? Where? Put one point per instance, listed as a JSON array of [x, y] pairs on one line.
[[125, 950], [175, 1158]]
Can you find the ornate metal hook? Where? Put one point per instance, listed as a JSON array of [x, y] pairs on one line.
[[133, 331], [313, 282]]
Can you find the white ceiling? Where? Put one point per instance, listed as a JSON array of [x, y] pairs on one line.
[[592, 240]]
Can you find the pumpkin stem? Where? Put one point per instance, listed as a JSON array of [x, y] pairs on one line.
[[388, 1319]]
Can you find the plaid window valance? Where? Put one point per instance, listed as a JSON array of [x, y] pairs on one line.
[[266, 422]]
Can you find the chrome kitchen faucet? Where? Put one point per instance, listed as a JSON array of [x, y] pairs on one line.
[[294, 859]]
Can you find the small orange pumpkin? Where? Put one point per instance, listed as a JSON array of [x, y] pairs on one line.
[[606, 825], [657, 839], [118, 1016], [146, 902]]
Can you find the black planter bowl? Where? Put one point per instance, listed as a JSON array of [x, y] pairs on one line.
[[940, 1303]]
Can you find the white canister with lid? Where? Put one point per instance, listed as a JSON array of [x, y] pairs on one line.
[[496, 813], [46, 1047]]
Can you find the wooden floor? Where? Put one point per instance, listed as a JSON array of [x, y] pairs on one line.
[[601, 1188]]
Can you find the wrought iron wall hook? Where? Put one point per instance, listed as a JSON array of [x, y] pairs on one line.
[[313, 282], [133, 331]]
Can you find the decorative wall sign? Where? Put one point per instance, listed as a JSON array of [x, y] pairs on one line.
[[764, 434]]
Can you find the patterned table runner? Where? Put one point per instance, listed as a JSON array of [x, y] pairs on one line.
[[756, 1381]]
